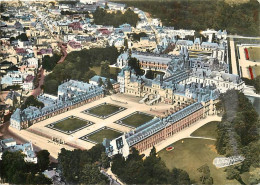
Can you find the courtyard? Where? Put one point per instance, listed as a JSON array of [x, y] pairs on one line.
[[70, 124], [60, 128], [104, 110], [135, 119], [99, 135], [254, 54]]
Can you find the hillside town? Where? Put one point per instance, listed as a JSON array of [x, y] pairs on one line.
[[95, 73]]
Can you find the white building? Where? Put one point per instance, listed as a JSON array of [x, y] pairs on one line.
[[11, 146], [32, 62], [12, 78], [222, 81]]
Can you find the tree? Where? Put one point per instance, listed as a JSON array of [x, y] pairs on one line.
[[100, 82], [101, 16], [89, 75], [43, 159], [90, 174], [78, 166], [118, 164], [149, 74], [137, 36], [233, 172], [254, 176], [178, 176], [135, 65], [77, 66], [22, 37], [15, 170], [32, 101], [151, 170], [48, 63], [109, 84], [105, 160], [205, 175], [105, 69], [51, 86], [239, 125], [125, 44], [12, 166], [153, 152]]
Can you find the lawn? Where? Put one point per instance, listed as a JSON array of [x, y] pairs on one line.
[[256, 69], [104, 133], [137, 119], [254, 53], [104, 110], [113, 70], [192, 154], [70, 124], [208, 130]]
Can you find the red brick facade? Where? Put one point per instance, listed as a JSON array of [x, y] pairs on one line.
[[169, 131]]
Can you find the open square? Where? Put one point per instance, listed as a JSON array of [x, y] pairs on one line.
[[70, 125], [135, 119], [104, 110], [98, 135]]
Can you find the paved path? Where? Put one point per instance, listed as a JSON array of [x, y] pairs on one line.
[[38, 90], [63, 51], [233, 57], [183, 134], [243, 37], [250, 91], [40, 142], [195, 137], [109, 172]]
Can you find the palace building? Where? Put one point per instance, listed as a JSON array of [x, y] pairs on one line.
[[148, 60], [71, 94], [156, 130], [192, 87]]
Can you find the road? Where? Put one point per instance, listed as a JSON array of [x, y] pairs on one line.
[[63, 51], [38, 90], [39, 142], [242, 37]]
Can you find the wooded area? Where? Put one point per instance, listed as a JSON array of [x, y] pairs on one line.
[[238, 132], [102, 17], [77, 66], [240, 19]]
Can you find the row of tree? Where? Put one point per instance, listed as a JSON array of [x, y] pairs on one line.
[[77, 66], [151, 170], [198, 15], [82, 166], [15, 170], [102, 17], [238, 132]]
